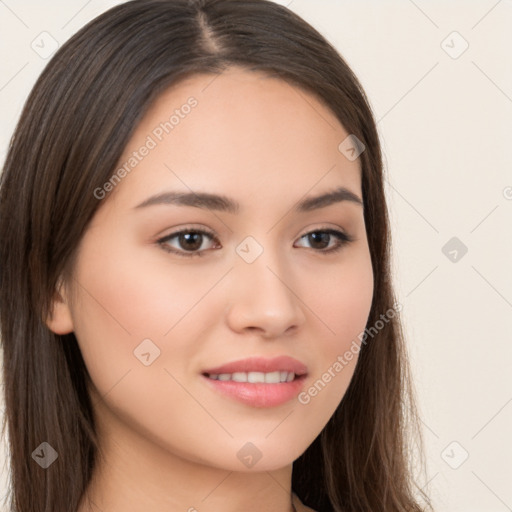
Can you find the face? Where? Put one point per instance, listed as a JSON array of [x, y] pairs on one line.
[[165, 293]]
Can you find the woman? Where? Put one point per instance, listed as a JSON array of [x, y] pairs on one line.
[[267, 373]]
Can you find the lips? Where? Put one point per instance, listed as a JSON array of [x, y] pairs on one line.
[[260, 365], [258, 382]]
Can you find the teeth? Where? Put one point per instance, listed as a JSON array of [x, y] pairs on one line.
[[271, 378], [255, 377]]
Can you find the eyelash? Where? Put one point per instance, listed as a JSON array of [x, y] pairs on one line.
[[343, 239]]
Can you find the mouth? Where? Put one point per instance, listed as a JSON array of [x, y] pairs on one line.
[[258, 382], [254, 367], [255, 377]]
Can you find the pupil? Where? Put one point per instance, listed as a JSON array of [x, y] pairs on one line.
[[186, 238]]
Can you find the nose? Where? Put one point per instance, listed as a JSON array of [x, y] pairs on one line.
[[263, 298]]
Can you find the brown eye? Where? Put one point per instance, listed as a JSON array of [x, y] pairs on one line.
[[188, 242], [321, 238]]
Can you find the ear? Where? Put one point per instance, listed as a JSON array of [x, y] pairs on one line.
[[60, 320]]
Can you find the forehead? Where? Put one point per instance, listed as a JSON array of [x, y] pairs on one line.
[[239, 133]]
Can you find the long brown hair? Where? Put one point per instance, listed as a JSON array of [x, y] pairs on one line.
[[71, 134]]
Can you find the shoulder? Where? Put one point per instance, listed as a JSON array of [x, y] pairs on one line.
[[300, 506]]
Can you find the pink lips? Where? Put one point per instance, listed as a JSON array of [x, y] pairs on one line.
[[260, 364], [259, 394]]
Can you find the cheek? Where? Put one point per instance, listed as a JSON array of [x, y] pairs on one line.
[[341, 299], [126, 306], [133, 292], [341, 307], [127, 297]]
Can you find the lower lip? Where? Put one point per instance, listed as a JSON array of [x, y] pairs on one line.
[[259, 394]]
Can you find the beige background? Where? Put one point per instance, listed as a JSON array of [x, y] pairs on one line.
[[446, 124]]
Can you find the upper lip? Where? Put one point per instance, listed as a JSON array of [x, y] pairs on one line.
[[261, 364]]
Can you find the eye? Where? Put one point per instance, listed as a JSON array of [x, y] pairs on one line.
[[321, 238], [189, 242]]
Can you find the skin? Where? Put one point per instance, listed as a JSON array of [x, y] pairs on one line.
[[169, 442]]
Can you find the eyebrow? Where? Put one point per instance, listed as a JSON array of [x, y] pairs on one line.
[[226, 204]]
